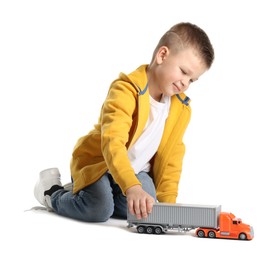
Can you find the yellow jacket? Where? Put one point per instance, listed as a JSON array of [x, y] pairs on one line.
[[122, 120]]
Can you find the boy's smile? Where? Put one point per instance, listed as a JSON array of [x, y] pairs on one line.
[[177, 88]]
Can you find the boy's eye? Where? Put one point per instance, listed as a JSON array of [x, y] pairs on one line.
[[183, 72]]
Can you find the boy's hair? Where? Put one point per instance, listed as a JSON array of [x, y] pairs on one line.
[[184, 35]]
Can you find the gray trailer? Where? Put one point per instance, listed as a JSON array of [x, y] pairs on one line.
[[181, 217]]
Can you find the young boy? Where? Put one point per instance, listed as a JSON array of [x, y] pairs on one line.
[[133, 156]]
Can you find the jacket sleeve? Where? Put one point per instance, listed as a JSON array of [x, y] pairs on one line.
[[117, 117]]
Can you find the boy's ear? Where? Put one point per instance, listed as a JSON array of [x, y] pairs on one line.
[[162, 54]]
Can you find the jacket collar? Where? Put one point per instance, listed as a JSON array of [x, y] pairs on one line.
[[139, 79]]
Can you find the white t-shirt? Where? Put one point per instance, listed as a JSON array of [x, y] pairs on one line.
[[147, 144]]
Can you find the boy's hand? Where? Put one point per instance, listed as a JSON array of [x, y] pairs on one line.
[[139, 202]]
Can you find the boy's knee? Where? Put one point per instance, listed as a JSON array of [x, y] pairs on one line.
[[100, 211], [98, 216], [147, 183]]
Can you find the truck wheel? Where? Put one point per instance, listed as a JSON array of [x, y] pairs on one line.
[[149, 230], [200, 233], [211, 234], [141, 229], [157, 230], [242, 236]]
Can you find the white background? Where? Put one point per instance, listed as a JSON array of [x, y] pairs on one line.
[[57, 60]]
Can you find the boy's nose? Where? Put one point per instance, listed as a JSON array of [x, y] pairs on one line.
[[185, 82]]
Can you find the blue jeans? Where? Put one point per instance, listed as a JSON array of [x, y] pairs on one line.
[[98, 201]]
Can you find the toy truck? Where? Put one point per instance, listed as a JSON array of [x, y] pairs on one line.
[[208, 220]]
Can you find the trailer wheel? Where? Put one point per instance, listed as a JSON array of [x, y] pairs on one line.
[[200, 233], [157, 230], [149, 230], [141, 229], [242, 236]]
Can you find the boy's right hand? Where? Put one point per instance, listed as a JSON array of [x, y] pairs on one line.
[[139, 202]]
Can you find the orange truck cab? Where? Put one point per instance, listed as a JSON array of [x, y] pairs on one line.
[[228, 227]]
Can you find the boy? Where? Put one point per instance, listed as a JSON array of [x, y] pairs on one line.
[[134, 154]]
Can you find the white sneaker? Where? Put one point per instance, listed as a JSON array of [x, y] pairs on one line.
[[48, 182]]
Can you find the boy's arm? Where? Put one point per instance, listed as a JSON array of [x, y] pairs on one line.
[[116, 122]]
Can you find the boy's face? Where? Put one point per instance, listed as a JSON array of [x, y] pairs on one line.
[[176, 71]]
